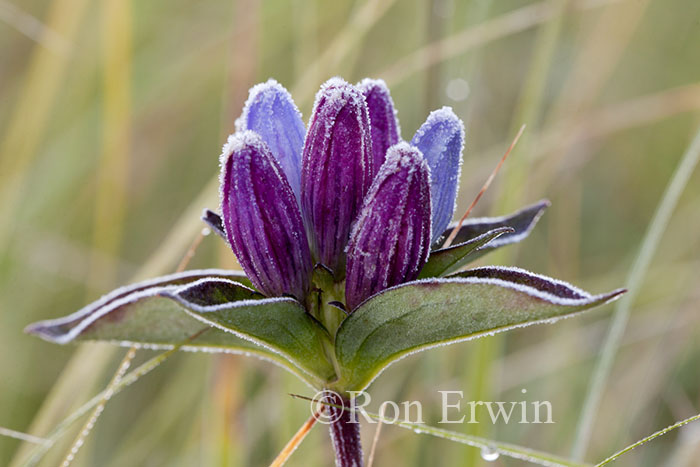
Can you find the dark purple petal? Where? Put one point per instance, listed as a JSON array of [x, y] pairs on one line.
[[271, 113], [441, 140], [262, 219], [336, 169], [391, 238], [382, 117]]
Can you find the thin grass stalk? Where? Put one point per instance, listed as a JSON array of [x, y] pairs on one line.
[[529, 108], [528, 112], [635, 280], [99, 408], [506, 449], [600, 54], [295, 441], [25, 131], [84, 364], [113, 168], [470, 38], [362, 20], [647, 439], [34, 29], [59, 430]]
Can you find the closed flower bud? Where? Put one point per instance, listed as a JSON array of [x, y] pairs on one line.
[[391, 239], [382, 116], [441, 140], [272, 114], [262, 219], [337, 170]]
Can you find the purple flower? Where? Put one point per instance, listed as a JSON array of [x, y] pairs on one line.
[[382, 115], [271, 113], [262, 219], [441, 140], [337, 170], [348, 174], [391, 237]]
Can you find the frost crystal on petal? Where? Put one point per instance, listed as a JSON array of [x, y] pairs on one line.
[[391, 238], [441, 140], [262, 219], [337, 169], [382, 116], [270, 112]]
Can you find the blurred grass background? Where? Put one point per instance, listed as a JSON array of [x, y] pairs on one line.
[[112, 115]]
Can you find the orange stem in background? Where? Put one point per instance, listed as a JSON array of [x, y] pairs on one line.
[[453, 234], [296, 440], [190, 252]]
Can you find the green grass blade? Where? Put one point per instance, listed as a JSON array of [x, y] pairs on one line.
[[634, 282], [648, 438], [506, 449], [60, 429]]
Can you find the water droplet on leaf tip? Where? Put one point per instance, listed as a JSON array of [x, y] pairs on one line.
[[489, 454]]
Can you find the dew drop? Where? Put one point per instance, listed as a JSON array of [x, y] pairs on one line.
[[489, 454], [457, 89]]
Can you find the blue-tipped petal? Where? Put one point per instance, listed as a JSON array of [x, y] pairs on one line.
[[337, 170], [441, 140], [382, 116], [262, 219], [391, 238], [271, 113]]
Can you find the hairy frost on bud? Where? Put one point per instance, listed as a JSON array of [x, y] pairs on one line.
[[391, 238], [337, 169], [262, 219], [271, 112], [441, 140], [383, 118]]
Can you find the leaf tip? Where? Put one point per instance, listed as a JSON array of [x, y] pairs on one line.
[[612, 296], [45, 331]]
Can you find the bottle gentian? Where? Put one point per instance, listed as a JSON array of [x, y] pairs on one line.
[[338, 228]]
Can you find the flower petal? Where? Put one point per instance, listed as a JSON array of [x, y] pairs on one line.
[[262, 219], [391, 238], [271, 113], [441, 140], [382, 116], [336, 169]]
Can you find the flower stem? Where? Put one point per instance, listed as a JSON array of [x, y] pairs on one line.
[[345, 432]]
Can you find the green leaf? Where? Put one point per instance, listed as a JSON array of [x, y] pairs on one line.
[[427, 313], [446, 260], [280, 324], [164, 312], [522, 222]]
